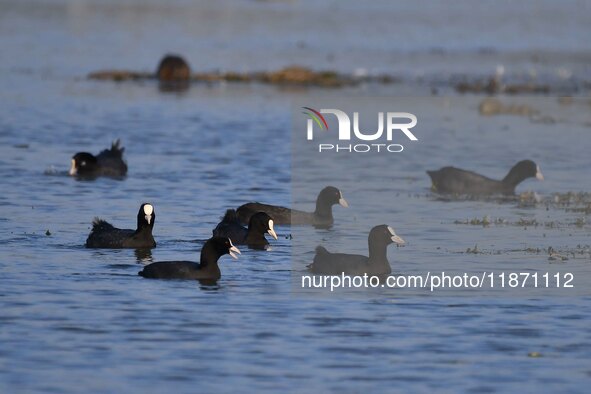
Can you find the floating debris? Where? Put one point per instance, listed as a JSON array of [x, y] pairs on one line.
[[553, 255], [492, 106], [51, 170], [120, 75], [543, 119], [493, 85], [485, 221], [174, 69], [523, 222], [529, 198]]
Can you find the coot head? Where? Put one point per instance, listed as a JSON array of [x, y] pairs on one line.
[[222, 246], [386, 234], [83, 163], [523, 170], [331, 195], [146, 216], [262, 223], [173, 68]]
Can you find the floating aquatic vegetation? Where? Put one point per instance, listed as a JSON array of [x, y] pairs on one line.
[[120, 75], [292, 75], [493, 85], [486, 221], [492, 106], [555, 256]]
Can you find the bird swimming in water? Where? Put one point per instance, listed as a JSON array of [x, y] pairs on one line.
[[322, 215], [376, 263], [254, 236], [206, 269], [104, 235], [451, 180], [108, 162]]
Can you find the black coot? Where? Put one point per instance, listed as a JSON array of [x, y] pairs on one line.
[[451, 180], [104, 235], [254, 236], [322, 216], [354, 264], [173, 68], [207, 268], [107, 163]]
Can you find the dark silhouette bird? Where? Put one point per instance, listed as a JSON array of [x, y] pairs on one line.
[[108, 163], [376, 263], [254, 236], [322, 215], [206, 269], [451, 180], [104, 235]]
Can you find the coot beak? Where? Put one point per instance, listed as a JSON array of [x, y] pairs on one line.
[[233, 250], [395, 238], [73, 170], [271, 231], [148, 211], [342, 201], [539, 175]]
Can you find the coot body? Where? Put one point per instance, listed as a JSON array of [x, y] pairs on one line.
[[206, 269], [104, 235], [451, 180], [376, 263], [254, 236], [107, 163], [322, 215]]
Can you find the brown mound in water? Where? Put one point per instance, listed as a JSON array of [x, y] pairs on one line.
[[304, 76], [492, 106], [119, 75], [292, 75], [173, 68]]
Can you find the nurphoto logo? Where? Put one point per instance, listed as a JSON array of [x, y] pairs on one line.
[[395, 122]]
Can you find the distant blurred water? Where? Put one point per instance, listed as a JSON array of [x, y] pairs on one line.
[[433, 40], [82, 320]]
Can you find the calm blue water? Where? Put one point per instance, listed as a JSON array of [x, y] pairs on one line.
[[76, 320]]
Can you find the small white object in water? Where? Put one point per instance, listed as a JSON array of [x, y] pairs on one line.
[[50, 171], [360, 72], [564, 73], [500, 71]]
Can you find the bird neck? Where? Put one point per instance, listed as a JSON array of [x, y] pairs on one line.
[[142, 224], [377, 251], [255, 237], [144, 228], [209, 257], [514, 177], [323, 208]]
